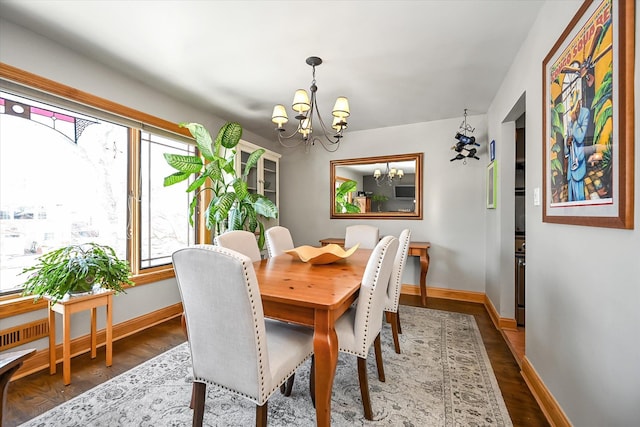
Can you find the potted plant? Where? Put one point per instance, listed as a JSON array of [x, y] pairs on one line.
[[379, 199], [76, 269], [231, 206]]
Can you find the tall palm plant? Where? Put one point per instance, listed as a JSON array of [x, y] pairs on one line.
[[231, 204]]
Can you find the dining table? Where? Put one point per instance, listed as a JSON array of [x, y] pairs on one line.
[[315, 296]]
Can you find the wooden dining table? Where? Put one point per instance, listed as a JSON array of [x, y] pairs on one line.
[[315, 296]]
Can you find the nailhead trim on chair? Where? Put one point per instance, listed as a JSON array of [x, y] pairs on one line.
[[363, 352], [396, 296]]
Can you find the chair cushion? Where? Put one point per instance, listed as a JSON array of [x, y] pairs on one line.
[[288, 346], [278, 240], [366, 235]]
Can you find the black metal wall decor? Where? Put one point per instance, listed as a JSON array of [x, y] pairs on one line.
[[465, 143]]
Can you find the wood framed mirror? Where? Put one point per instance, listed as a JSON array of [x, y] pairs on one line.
[[382, 187]]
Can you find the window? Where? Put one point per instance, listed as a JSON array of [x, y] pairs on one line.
[[163, 209], [74, 175]]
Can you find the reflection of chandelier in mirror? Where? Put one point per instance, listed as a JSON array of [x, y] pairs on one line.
[[389, 175], [305, 108]]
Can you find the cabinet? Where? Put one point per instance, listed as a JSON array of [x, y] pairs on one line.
[[364, 203], [263, 179]]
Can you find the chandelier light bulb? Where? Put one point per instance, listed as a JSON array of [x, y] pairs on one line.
[[341, 107], [279, 115], [301, 102]]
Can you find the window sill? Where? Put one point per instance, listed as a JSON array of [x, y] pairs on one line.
[[12, 305]]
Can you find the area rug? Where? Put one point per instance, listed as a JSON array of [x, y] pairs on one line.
[[442, 378]]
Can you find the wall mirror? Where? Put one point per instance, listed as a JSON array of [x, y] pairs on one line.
[[383, 187]]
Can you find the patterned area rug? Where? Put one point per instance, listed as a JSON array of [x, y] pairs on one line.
[[442, 378]]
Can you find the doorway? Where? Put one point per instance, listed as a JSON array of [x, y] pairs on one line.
[[516, 338], [520, 222]]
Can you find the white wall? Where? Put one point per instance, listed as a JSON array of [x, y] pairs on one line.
[[583, 283], [454, 198]]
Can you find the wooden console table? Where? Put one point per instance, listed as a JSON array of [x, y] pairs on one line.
[[419, 249], [67, 308], [9, 364]]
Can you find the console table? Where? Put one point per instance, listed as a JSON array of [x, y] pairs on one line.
[[419, 249], [67, 308]]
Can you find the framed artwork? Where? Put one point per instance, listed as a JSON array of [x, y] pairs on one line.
[[492, 185], [587, 116]]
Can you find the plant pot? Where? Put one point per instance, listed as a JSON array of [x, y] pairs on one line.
[[82, 287]]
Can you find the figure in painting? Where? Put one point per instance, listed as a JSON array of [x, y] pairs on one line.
[[575, 151]]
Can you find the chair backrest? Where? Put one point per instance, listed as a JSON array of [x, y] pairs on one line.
[[225, 321], [373, 289], [367, 235], [395, 281], [278, 240], [242, 241]]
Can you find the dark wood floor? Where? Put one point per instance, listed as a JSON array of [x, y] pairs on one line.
[[39, 392]]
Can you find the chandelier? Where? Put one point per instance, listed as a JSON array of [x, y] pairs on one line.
[[305, 108], [388, 176]]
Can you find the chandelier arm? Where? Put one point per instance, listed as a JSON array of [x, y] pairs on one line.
[[332, 147], [323, 126]]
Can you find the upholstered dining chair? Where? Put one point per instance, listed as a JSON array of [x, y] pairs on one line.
[[278, 240], [359, 327], [242, 241], [367, 235], [391, 304], [232, 345]]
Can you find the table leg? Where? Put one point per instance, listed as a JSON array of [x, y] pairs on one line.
[[66, 347], [325, 347], [424, 268], [52, 341], [94, 339], [109, 333]]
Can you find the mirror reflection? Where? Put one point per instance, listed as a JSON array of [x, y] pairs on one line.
[[383, 187]]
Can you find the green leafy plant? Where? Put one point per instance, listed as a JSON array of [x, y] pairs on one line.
[[379, 199], [231, 204], [342, 201], [74, 269]]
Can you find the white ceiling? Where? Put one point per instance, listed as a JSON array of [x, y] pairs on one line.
[[398, 62]]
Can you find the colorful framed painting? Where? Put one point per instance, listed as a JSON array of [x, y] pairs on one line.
[[588, 118], [492, 185]]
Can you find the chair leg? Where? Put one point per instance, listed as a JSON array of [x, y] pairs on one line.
[[398, 317], [183, 323], [364, 388], [197, 400], [312, 380], [261, 415], [378, 350], [193, 396], [395, 324], [287, 386]]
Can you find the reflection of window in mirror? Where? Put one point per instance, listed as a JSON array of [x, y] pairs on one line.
[[386, 186]]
